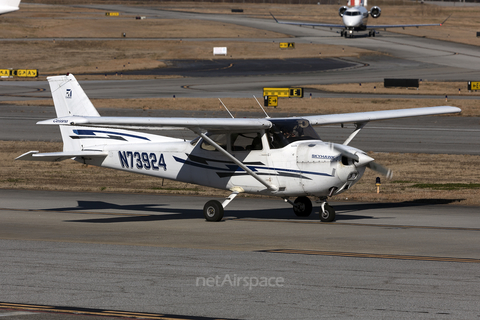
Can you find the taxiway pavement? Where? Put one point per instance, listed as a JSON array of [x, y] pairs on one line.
[[150, 253]]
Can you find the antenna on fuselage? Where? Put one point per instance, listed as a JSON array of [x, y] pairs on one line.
[[231, 115], [261, 106]]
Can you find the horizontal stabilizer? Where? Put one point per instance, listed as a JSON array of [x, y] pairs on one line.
[[59, 156]]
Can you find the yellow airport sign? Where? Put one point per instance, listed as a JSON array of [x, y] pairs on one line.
[[296, 92], [283, 92], [32, 73], [112, 14], [287, 45], [21, 73], [26, 73], [279, 92], [474, 85], [270, 101], [5, 72]]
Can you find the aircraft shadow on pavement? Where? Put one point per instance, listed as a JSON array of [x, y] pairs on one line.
[[159, 212]]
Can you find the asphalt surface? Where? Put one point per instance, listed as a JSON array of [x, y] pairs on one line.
[[117, 254], [149, 253], [241, 68]]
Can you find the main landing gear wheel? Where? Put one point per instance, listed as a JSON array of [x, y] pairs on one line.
[[302, 206], [213, 211], [328, 214]]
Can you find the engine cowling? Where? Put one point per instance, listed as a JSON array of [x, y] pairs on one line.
[[375, 12], [342, 10]]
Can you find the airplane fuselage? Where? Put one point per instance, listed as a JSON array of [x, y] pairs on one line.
[[355, 18], [304, 167]]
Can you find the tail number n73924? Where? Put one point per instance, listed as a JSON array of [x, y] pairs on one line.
[[142, 160]]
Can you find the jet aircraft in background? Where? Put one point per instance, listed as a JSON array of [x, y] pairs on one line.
[[7, 6], [355, 19]]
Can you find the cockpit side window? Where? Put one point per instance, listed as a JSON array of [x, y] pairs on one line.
[[284, 132]]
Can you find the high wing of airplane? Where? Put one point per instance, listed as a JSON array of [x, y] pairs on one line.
[[7, 6], [355, 19], [281, 157]]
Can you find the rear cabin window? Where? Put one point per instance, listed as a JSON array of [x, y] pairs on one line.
[[238, 141], [246, 141]]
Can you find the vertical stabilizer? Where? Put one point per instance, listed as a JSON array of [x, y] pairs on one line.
[[70, 100], [69, 97], [356, 3]]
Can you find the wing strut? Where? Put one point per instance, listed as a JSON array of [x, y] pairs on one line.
[[239, 163], [358, 126]]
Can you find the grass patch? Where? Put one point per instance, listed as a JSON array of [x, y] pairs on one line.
[[447, 186], [174, 189]]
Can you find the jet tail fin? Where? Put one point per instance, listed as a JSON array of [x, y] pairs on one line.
[[356, 3]]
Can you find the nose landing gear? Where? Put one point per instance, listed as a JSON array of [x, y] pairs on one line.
[[327, 213], [302, 207]]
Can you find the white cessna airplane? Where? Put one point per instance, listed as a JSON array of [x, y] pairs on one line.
[[355, 19], [281, 157], [7, 6]]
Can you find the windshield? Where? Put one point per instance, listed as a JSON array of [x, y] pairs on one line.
[[284, 132], [352, 13]]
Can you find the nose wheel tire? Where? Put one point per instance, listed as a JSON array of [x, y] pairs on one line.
[[213, 211], [302, 207], [328, 214]]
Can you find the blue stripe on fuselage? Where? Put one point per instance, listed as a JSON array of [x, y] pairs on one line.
[[90, 132]]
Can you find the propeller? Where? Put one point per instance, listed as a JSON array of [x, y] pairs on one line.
[[388, 173], [361, 159]]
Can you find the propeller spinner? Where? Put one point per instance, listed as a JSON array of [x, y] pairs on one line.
[[360, 159]]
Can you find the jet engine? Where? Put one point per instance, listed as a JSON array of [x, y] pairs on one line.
[[375, 12], [342, 10]]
